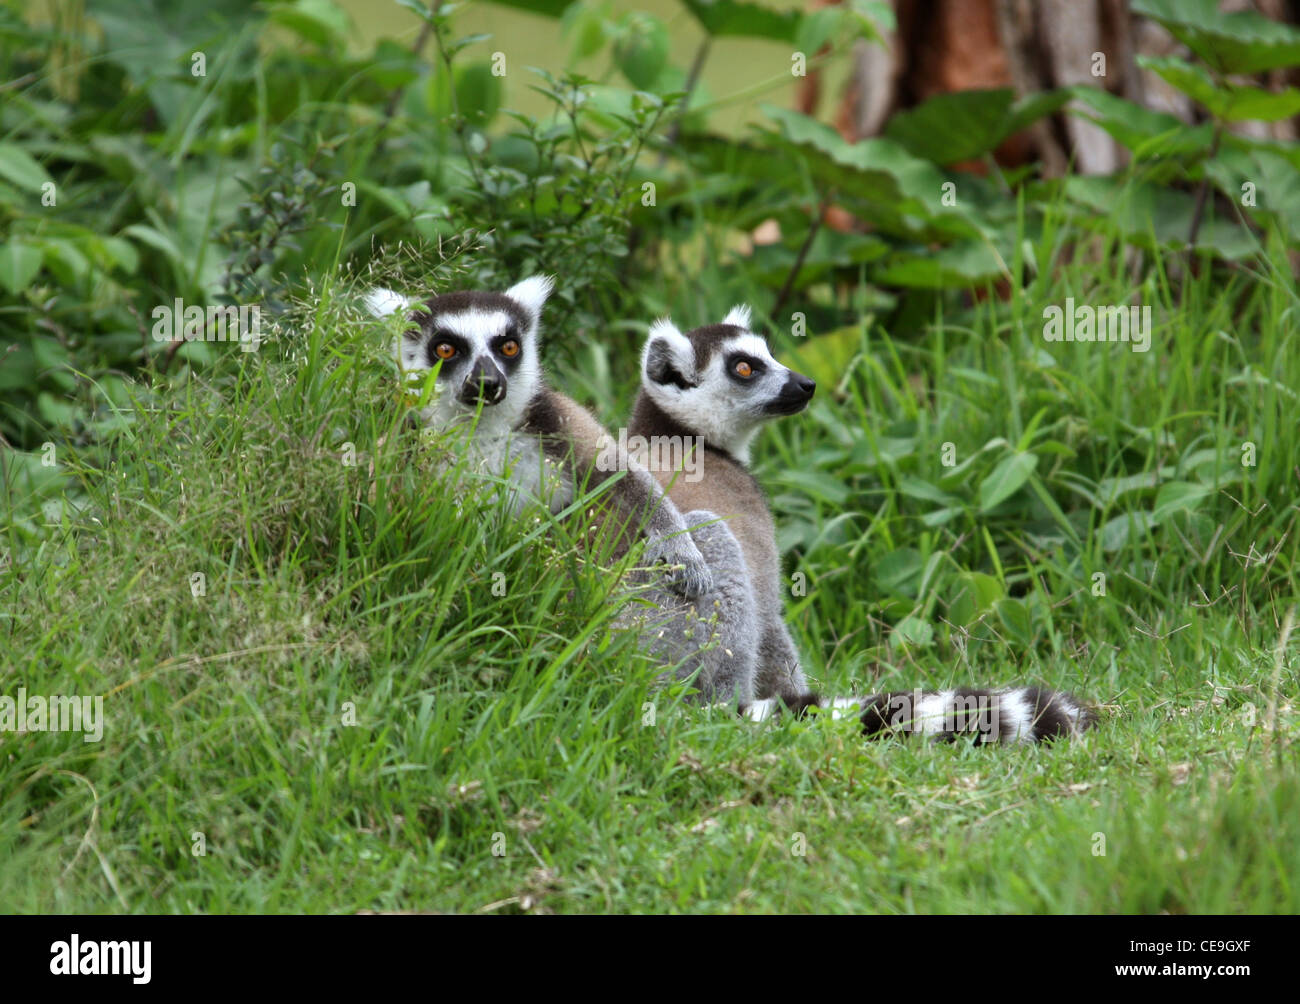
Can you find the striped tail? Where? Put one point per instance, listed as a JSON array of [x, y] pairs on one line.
[[1011, 715]]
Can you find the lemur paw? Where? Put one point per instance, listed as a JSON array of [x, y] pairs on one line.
[[687, 572]]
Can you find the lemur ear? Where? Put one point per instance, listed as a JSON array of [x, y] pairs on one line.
[[669, 356], [531, 293], [382, 302], [738, 316]]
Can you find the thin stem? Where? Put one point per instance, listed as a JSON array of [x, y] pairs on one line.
[[1203, 192], [803, 253]]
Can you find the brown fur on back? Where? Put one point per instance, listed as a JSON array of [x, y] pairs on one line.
[[728, 489]]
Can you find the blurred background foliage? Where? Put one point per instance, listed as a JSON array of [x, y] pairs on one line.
[[223, 152]]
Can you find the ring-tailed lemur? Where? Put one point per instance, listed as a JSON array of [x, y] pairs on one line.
[[716, 386], [491, 382]]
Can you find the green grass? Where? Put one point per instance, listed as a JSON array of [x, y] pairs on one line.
[[508, 752]]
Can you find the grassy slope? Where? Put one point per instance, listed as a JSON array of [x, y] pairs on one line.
[[521, 723]]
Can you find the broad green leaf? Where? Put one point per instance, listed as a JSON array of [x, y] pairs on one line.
[[393, 66], [939, 517], [19, 167], [1145, 132], [739, 18], [1234, 102], [122, 254], [585, 23], [641, 50], [1016, 618], [1116, 532], [1141, 212], [1241, 42], [18, 369], [1267, 179], [918, 489], [546, 8], [66, 260], [478, 93], [913, 631], [818, 484], [55, 411], [964, 125], [975, 592], [1178, 495], [824, 357], [1006, 479], [953, 127], [322, 22], [153, 40], [900, 193], [1029, 109], [898, 571], [829, 250], [819, 27], [19, 264], [960, 265], [157, 240]]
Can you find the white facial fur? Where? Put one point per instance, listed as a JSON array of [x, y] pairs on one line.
[[478, 322], [726, 412]]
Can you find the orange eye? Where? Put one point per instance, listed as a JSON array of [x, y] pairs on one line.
[[743, 369], [510, 349], [444, 350]]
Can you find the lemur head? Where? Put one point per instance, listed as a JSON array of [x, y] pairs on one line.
[[486, 343], [720, 381]]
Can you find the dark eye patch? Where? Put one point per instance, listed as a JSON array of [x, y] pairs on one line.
[[511, 334], [757, 368], [440, 336]]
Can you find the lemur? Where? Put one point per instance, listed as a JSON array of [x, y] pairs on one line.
[[717, 385], [491, 384]]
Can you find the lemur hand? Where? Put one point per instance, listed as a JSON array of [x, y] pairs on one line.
[[687, 572]]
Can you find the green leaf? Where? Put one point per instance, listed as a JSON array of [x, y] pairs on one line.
[[19, 264], [1176, 496], [1234, 102], [1148, 134], [1006, 479], [1275, 182], [917, 489], [829, 250], [963, 264], [817, 28], [1141, 212], [819, 485], [898, 571], [825, 357], [976, 593], [546, 8], [55, 411], [1017, 619], [321, 22], [964, 125], [1116, 532], [953, 127], [752, 20], [905, 191], [157, 240], [478, 93], [641, 50], [587, 26], [18, 166], [1241, 42], [912, 631]]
